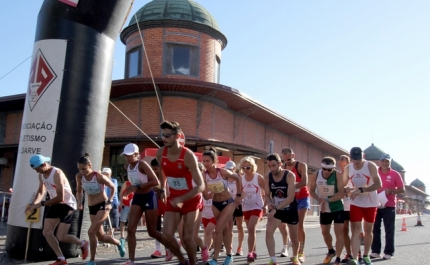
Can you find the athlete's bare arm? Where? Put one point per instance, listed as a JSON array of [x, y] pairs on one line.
[[152, 178], [267, 196], [345, 176], [79, 195], [190, 162], [377, 184], [291, 179], [303, 170], [340, 188], [102, 179], [261, 184], [313, 186], [121, 194], [161, 175], [39, 195]]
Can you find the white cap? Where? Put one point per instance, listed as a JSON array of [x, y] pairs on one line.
[[230, 165], [130, 149], [107, 170]]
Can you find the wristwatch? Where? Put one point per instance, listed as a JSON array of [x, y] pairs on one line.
[[42, 203], [239, 194], [361, 189], [137, 186], [108, 202]]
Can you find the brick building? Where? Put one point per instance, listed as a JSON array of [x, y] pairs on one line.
[[184, 46]]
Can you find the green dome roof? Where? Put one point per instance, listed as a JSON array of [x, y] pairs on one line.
[[187, 10], [374, 153], [417, 183], [175, 13]]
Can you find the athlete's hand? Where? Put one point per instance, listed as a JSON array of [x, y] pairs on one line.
[[176, 202], [238, 201], [108, 207], [163, 197], [321, 200], [354, 194], [80, 206], [271, 214], [129, 189]]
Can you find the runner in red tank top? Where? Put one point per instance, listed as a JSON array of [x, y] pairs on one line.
[[300, 169], [178, 166]]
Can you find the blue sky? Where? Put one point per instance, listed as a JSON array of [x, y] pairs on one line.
[[353, 72]]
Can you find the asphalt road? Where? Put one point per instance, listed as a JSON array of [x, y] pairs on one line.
[[411, 247]]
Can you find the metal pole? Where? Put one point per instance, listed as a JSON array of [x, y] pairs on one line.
[[3, 208]]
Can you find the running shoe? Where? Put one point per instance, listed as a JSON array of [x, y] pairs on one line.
[[59, 262], [211, 262], [347, 258], [205, 254], [387, 257], [302, 257], [239, 252], [91, 262], [271, 262], [122, 241], [367, 260], [337, 261], [375, 255], [329, 257], [295, 261], [353, 262], [84, 249], [121, 250], [156, 255], [169, 255], [129, 263], [254, 254], [228, 260], [284, 252], [250, 258]]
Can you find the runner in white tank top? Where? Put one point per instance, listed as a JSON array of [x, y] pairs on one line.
[[365, 180], [252, 205], [223, 204], [99, 205], [237, 214], [62, 204]]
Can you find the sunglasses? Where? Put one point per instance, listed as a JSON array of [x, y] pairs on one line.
[[167, 135], [328, 169], [247, 168]]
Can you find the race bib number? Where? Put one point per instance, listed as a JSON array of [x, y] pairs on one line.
[[216, 187], [177, 183], [91, 188], [326, 190], [278, 201], [250, 199]]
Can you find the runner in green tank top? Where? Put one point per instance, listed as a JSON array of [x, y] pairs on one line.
[[326, 186]]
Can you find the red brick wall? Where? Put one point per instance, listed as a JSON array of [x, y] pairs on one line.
[[13, 127], [153, 39], [216, 123]]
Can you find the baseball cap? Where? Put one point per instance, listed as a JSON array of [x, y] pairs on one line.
[[230, 165], [385, 157], [107, 170], [356, 153], [130, 149], [38, 160]]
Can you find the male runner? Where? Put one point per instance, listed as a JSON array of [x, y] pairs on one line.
[[62, 204], [279, 190], [365, 181], [178, 166], [300, 170]]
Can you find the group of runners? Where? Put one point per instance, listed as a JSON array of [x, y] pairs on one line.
[[188, 193]]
